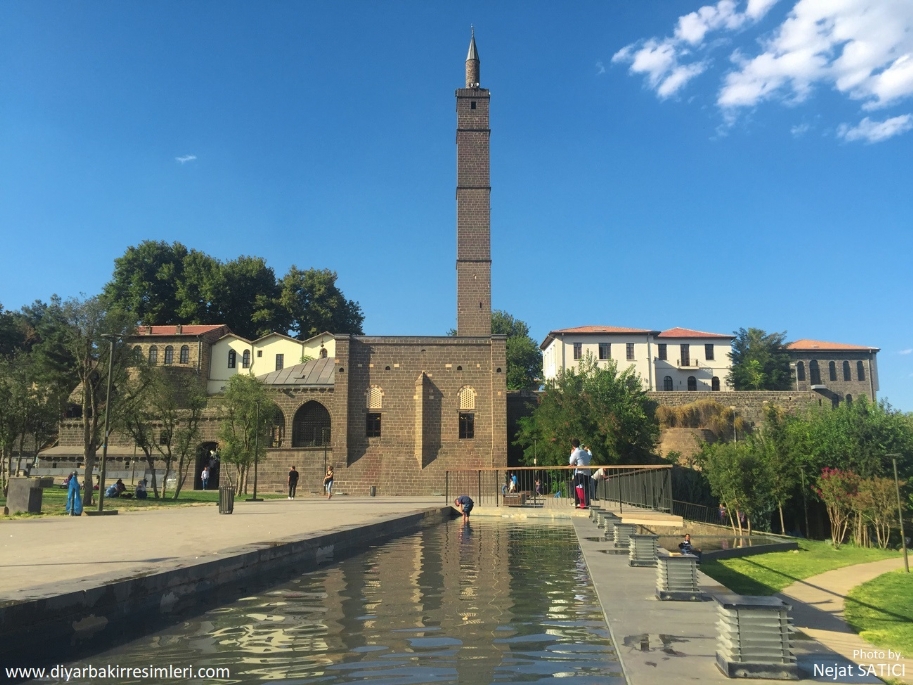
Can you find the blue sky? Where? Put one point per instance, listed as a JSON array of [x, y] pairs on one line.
[[654, 164]]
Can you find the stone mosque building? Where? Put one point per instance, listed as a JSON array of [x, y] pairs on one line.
[[394, 413]]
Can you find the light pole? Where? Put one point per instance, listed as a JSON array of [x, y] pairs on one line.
[[256, 455], [903, 539], [323, 439], [110, 337]]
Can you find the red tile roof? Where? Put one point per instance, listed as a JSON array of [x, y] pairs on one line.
[[808, 345], [601, 329], [186, 329], [688, 333]]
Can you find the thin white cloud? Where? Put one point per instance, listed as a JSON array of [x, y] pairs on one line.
[[600, 68], [862, 49], [669, 64], [800, 130], [876, 131], [185, 159], [906, 351]]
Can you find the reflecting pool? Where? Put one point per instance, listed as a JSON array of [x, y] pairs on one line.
[[502, 602]]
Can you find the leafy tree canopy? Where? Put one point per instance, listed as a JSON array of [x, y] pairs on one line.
[[759, 361], [171, 284], [606, 410]]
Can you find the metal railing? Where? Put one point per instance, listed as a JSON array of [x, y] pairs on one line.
[[699, 513], [644, 486]]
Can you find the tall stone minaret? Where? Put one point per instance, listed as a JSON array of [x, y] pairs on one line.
[[473, 196]]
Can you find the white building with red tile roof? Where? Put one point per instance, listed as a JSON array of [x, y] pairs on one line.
[[674, 359]]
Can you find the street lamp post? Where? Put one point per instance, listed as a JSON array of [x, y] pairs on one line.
[[110, 337], [256, 455], [903, 539]]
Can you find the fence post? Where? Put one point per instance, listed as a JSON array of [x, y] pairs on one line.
[[480, 486], [446, 487]]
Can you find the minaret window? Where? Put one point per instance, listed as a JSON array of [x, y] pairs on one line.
[[472, 105]]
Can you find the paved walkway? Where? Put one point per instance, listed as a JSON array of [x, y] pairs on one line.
[[818, 611], [42, 557]]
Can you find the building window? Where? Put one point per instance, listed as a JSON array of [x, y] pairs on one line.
[[311, 426], [578, 350], [715, 384], [832, 370], [259, 353], [860, 371], [692, 383], [185, 354], [629, 351], [137, 354], [467, 399], [667, 384], [605, 350], [814, 372], [847, 374], [277, 433], [467, 425], [232, 359], [375, 398], [153, 355], [661, 348], [472, 104], [280, 362], [245, 359], [372, 428], [685, 354], [169, 355], [708, 352], [800, 371]]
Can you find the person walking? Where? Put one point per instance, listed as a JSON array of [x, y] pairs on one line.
[[328, 483], [292, 482], [204, 476], [580, 459]]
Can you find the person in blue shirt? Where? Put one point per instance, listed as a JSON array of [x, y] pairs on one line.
[[464, 503]]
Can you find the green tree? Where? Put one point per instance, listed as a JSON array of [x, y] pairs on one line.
[[312, 303], [606, 410], [524, 360], [759, 361], [740, 478], [73, 355], [240, 434], [146, 282], [783, 463]]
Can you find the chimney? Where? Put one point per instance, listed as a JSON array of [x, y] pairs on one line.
[[178, 329]]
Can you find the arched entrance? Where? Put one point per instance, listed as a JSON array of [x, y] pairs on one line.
[[207, 455], [311, 425]]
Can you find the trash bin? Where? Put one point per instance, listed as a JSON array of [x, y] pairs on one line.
[[226, 499], [373, 491]]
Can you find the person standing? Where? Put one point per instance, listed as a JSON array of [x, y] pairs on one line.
[[74, 498], [204, 477], [292, 482], [328, 482], [465, 504], [580, 459]]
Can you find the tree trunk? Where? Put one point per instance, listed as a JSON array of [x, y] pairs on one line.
[[782, 525], [151, 461]]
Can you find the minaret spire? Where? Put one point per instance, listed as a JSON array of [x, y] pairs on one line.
[[472, 62]]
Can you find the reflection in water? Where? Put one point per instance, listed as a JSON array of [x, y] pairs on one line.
[[500, 602], [709, 543]]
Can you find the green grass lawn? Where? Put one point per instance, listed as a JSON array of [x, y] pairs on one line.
[[54, 501], [881, 611], [765, 574]]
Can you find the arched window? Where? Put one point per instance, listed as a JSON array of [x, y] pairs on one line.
[[375, 397], [692, 383], [169, 355], [715, 384], [277, 434], [467, 399], [814, 372], [311, 426], [185, 354], [847, 374], [323, 353], [137, 354], [832, 370], [860, 371], [153, 355], [232, 359], [245, 359], [800, 371], [667, 384]]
